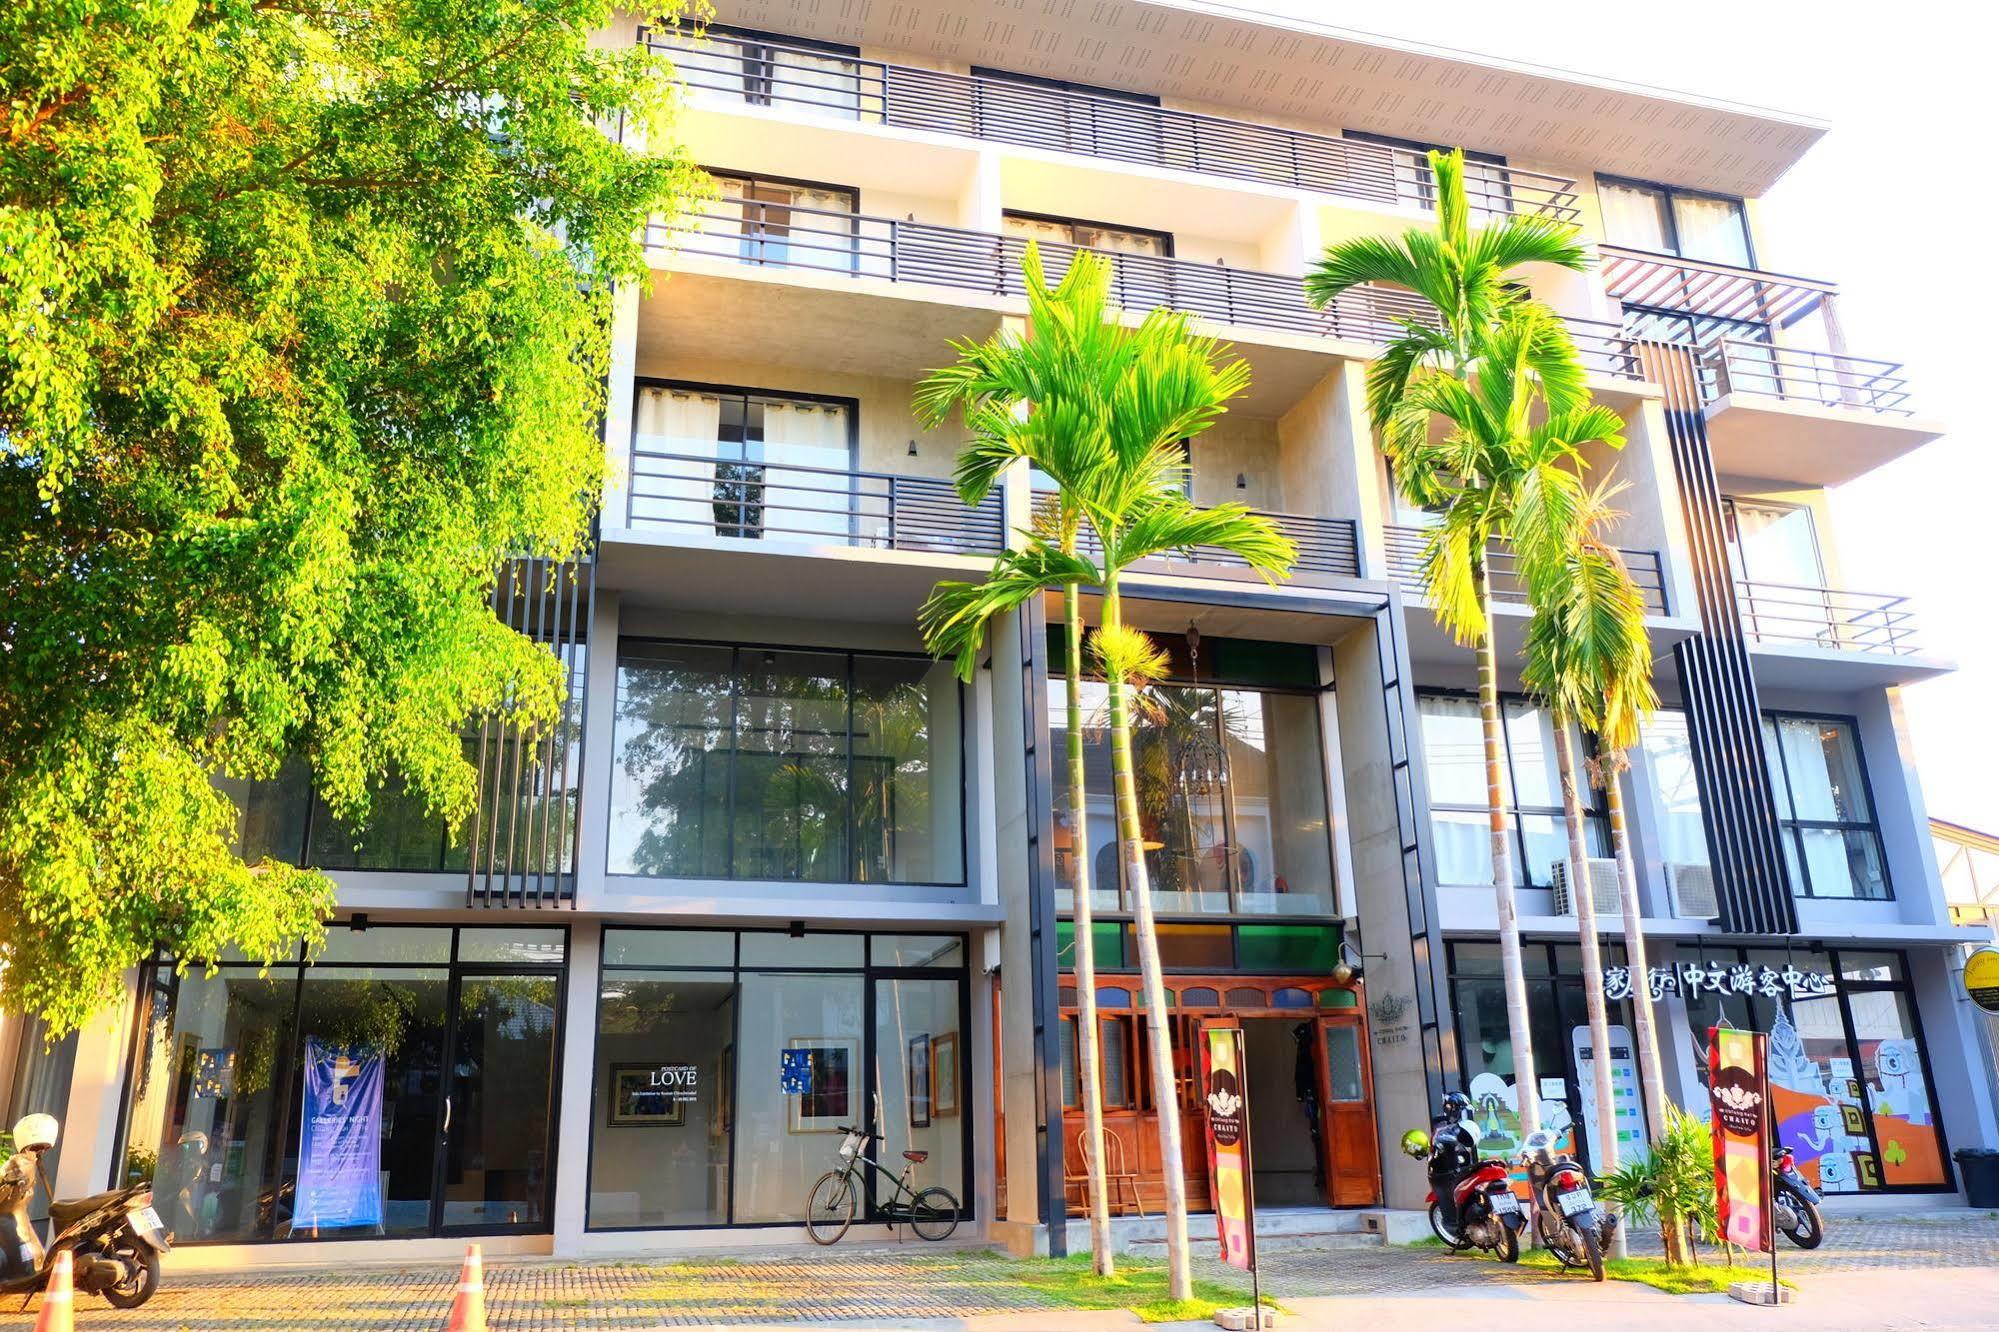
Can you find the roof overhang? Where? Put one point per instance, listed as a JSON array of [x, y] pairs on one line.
[[1254, 65]]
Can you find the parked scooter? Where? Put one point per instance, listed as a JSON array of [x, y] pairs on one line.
[[114, 1239], [1471, 1201], [1571, 1223], [1797, 1202]]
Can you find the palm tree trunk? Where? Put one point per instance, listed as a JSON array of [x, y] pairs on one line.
[[1159, 1042], [1088, 1072], [1527, 1089], [1651, 1072], [1584, 894]]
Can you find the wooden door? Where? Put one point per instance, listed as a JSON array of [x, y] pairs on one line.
[[1346, 1110]]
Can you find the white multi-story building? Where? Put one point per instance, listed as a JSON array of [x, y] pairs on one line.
[[783, 862]]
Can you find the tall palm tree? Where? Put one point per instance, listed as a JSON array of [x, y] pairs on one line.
[[1470, 276], [1589, 662], [1102, 408]]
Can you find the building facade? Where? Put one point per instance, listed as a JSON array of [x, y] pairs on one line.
[[780, 872]]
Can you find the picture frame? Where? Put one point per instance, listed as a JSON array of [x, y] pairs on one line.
[[944, 1074], [635, 1103], [835, 1095], [918, 1070]]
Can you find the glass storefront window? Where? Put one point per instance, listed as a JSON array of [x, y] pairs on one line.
[[448, 1075], [801, 766], [694, 1125]]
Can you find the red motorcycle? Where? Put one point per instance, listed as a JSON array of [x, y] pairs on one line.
[[1472, 1204]]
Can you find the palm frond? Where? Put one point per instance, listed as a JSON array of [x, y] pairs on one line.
[[1172, 523], [953, 620]]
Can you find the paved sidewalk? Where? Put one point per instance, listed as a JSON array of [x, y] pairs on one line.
[[1948, 1262]]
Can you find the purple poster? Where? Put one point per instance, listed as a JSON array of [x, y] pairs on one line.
[[339, 1139]]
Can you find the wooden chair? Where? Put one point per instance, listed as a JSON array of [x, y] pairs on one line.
[[1117, 1173]]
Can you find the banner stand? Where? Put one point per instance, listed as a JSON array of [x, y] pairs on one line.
[[1225, 1093]]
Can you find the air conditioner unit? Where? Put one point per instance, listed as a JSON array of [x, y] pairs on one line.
[[1603, 889], [1692, 887]]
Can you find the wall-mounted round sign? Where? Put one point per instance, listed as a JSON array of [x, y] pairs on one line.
[[1981, 978]]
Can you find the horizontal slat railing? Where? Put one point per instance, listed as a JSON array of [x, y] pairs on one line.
[[1832, 379], [1404, 547], [1793, 615], [778, 501], [1062, 120], [1328, 548], [859, 245]]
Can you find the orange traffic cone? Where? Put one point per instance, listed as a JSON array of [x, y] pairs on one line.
[[58, 1300], [468, 1311]]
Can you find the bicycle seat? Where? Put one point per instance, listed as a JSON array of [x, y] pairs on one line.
[[918, 1157]]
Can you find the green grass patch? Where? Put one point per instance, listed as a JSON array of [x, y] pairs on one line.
[[1687, 1279], [1138, 1285]]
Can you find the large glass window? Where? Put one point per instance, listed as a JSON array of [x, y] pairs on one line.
[[744, 466], [249, 1089], [1488, 185], [1832, 845], [284, 818], [1454, 764], [783, 223], [1231, 796], [792, 71], [694, 1124], [767, 763], [1665, 220]]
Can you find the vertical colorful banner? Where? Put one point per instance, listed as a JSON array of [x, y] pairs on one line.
[[1738, 1087], [340, 1139], [1227, 1099]]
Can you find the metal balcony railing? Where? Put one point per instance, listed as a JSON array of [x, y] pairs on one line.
[[1328, 549], [1404, 548], [1831, 379], [1789, 615], [780, 501], [767, 73], [834, 241]]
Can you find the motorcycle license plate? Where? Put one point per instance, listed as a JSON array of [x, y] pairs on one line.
[[1577, 1201], [1505, 1204], [144, 1220]]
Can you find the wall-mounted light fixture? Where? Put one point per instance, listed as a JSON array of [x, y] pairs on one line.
[[912, 448], [1241, 481], [358, 922]]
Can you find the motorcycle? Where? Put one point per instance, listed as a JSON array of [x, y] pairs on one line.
[[1471, 1201], [1571, 1223], [1795, 1201], [114, 1239]]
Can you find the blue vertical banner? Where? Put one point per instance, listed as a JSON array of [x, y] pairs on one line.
[[340, 1138]]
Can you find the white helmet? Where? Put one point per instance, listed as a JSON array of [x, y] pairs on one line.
[[35, 1133]]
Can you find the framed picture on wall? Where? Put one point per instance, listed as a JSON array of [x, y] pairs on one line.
[[830, 1096], [920, 1087], [636, 1102], [944, 1074]]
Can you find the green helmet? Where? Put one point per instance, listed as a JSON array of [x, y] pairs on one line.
[[1416, 1143]]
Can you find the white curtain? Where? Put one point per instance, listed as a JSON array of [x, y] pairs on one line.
[[674, 489], [1711, 229], [827, 83], [1676, 791], [802, 505], [1823, 787], [1633, 216], [1454, 761]]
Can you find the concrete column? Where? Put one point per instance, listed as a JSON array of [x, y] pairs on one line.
[[593, 783], [91, 1151], [979, 204], [1957, 1069], [1328, 462], [618, 404], [573, 1097]]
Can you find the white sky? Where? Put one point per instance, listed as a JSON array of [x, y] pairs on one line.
[[1893, 204]]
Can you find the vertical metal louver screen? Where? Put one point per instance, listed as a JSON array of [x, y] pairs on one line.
[[1718, 687], [523, 831]]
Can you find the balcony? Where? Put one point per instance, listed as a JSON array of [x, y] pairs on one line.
[[822, 84], [1328, 552], [1404, 545], [838, 244], [1793, 629]]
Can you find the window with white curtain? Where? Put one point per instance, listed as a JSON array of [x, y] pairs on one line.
[[744, 465], [1454, 765], [783, 224], [796, 72], [1488, 184], [1142, 284], [1676, 791], [1832, 843], [1643, 216]]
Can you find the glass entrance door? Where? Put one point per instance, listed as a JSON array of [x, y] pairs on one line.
[[493, 1141], [919, 1082]]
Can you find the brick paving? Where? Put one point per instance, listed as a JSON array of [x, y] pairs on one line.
[[863, 1282]]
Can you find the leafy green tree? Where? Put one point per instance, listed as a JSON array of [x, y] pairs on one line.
[[303, 332], [1101, 407], [1478, 370]]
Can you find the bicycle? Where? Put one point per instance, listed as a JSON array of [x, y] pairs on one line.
[[932, 1213]]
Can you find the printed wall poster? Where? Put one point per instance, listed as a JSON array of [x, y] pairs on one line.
[[340, 1138], [1740, 1116], [1226, 1100], [823, 1068]]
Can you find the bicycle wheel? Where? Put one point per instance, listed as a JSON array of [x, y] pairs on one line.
[[934, 1214], [830, 1209]]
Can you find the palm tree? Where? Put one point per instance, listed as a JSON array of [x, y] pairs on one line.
[[1101, 407], [1589, 663], [1470, 277]]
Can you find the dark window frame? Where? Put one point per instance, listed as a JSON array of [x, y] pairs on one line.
[[1594, 815], [754, 51], [1668, 194], [1730, 504], [736, 648], [1793, 827]]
